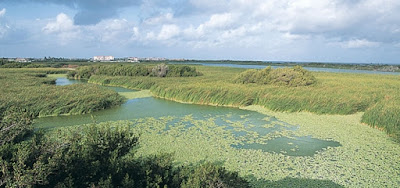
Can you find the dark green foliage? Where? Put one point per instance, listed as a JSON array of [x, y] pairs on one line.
[[101, 156], [4, 63], [297, 182], [23, 65], [111, 70], [211, 175], [292, 77], [15, 124], [182, 71], [161, 70], [91, 155], [28, 163]]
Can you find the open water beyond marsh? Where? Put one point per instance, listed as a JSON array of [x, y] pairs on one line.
[[254, 130], [314, 69]]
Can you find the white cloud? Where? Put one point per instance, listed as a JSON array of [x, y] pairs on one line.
[[168, 32], [216, 23], [220, 21], [135, 33], [290, 36], [2, 12], [161, 19], [303, 16], [62, 24], [3, 26], [359, 43], [63, 27], [110, 31]]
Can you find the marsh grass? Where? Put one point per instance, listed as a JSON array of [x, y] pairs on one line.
[[334, 93], [32, 90]]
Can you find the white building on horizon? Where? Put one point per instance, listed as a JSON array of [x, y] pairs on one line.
[[103, 58], [133, 59], [21, 60]]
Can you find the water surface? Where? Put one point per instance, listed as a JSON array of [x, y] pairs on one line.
[[243, 124], [315, 69]]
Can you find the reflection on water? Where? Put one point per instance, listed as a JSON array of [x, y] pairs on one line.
[[255, 130], [64, 81]]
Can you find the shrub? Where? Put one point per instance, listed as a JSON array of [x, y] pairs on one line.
[[100, 156], [160, 70], [292, 77], [182, 71], [296, 76], [212, 175], [247, 76]]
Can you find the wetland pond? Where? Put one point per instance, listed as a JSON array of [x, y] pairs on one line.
[[254, 130]]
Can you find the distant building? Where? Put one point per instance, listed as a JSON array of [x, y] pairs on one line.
[[153, 59], [21, 60], [133, 59], [103, 58]]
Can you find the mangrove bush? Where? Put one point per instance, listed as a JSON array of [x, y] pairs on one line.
[[161, 70], [292, 77], [100, 156]]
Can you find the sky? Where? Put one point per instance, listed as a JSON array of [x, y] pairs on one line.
[[351, 31]]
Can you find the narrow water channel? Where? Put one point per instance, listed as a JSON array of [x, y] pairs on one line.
[[249, 121]]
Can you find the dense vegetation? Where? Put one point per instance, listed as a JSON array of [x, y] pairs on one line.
[[161, 70], [100, 156], [10, 64], [385, 115], [86, 156], [292, 77], [37, 95], [334, 93]]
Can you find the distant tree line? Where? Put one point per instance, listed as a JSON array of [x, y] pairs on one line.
[[161, 70], [4, 63]]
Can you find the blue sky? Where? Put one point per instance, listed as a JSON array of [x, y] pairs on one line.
[[360, 31]]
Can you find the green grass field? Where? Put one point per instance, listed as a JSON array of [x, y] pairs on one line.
[[33, 91], [334, 93]]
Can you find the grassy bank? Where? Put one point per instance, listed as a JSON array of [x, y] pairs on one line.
[[33, 91], [334, 93]]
